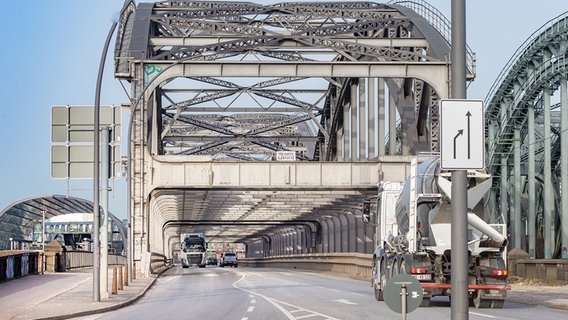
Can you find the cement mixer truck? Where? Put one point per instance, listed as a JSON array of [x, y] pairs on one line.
[[412, 223]]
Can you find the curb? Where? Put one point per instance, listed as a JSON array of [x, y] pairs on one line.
[[116, 306]]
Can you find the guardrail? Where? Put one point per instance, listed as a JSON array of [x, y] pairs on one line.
[[359, 265], [159, 263], [355, 265]]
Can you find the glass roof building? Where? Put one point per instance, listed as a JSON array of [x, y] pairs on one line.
[[17, 220]]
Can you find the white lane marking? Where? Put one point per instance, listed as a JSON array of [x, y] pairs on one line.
[[482, 315], [346, 301], [170, 278], [279, 307], [245, 318], [278, 304], [250, 309], [307, 316]]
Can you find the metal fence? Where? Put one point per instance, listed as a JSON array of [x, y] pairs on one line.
[[84, 259], [19, 264]]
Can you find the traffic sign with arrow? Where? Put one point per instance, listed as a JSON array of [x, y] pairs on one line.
[[462, 134]]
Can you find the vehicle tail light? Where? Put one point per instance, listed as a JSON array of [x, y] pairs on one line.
[[417, 270], [500, 273]]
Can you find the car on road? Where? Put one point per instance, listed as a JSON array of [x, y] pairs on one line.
[[212, 261], [229, 259]]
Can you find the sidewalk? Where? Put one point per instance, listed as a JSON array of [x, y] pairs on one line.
[[550, 296], [63, 295]]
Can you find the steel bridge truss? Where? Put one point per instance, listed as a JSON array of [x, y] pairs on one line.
[[526, 122], [219, 88], [249, 117]]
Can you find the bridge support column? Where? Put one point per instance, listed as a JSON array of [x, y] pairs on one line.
[[353, 120], [564, 165], [548, 225], [371, 116], [381, 117], [343, 234], [328, 237], [351, 232], [532, 186], [336, 234], [517, 220], [503, 192], [362, 130], [346, 135], [392, 125]]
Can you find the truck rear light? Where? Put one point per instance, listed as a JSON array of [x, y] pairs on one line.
[[417, 270], [500, 273]]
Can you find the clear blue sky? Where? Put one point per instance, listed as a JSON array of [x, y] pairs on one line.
[[51, 52]]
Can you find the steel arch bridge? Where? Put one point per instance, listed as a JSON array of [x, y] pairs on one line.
[[527, 129], [221, 90]]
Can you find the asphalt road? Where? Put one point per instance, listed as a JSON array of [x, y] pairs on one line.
[[258, 293]]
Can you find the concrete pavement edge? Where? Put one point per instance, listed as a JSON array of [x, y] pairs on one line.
[[116, 306]]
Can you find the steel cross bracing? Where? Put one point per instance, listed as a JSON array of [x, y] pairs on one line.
[[285, 31], [234, 82]]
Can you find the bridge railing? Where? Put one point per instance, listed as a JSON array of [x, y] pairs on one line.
[[84, 259], [159, 263], [359, 265], [16, 264], [353, 264]]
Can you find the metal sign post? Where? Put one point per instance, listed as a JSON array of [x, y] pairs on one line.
[[403, 294], [460, 301]]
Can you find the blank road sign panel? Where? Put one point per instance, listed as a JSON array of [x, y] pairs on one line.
[[462, 134], [72, 141]]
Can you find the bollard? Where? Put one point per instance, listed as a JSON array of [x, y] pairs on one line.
[[113, 290], [125, 275], [120, 278]]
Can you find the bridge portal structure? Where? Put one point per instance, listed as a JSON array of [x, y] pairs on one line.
[[219, 89]]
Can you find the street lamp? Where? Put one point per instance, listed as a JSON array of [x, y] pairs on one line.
[[96, 165]]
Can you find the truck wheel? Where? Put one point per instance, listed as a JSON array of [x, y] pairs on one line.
[[425, 303], [497, 304], [402, 267], [394, 268], [378, 293], [378, 288], [480, 303]]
